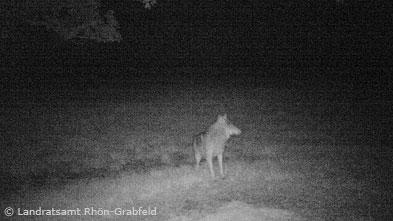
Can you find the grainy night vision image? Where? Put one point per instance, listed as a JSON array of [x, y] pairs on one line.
[[195, 110]]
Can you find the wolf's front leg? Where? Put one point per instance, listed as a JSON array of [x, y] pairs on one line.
[[209, 159], [219, 157]]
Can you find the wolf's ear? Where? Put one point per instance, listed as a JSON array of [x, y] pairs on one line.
[[221, 118]]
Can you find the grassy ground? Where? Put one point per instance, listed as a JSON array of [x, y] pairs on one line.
[[297, 158]]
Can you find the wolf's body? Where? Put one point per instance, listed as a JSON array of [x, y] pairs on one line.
[[211, 143]]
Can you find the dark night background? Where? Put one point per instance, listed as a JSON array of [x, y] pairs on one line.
[[338, 57], [340, 51]]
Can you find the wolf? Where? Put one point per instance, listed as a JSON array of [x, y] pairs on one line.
[[211, 143]]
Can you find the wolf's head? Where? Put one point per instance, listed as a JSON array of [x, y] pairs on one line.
[[230, 129]]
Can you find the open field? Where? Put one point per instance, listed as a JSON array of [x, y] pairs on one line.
[[302, 155]]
